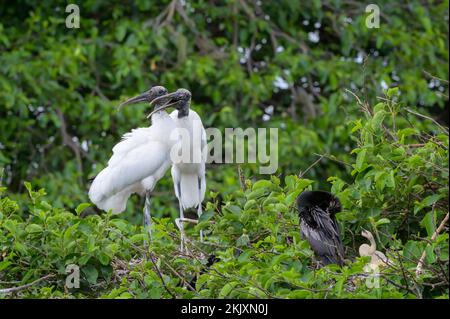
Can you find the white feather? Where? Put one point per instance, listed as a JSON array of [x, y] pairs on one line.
[[188, 175], [137, 163]]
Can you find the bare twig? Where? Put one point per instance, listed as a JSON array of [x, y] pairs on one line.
[[435, 77], [415, 145], [67, 140], [360, 103], [155, 266], [241, 178], [397, 285], [327, 156], [428, 118], [433, 237], [161, 277], [18, 288], [310, 166], [178, 275]]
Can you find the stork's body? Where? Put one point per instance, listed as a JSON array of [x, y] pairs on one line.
[[317, 210], [188, 157], [188, 174], [137, 163]]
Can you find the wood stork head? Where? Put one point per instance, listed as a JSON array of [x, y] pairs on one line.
[[148, 96], [180, 99], [324, 200]]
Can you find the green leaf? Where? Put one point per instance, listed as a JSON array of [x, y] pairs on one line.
[[80, 208], [138, 238], [4, 264], [300, 294], [68, 233], [360, 159], [227, 288], [249, 204], [382, 221], [242, 241], [10, 226], [121, 32], [429, 222], [33, 228], [357, 126], [378, 119], [430, 255], [262, 184], [83, 260], [392, 92], [380, 107], [91, 274], [427, 202], [29, 188], [103, 258], [236, 210]]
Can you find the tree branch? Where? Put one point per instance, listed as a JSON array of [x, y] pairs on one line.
[[424, 254], [15, 289]]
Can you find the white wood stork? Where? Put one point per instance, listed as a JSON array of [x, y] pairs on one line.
[[138, 161], [188, 156]]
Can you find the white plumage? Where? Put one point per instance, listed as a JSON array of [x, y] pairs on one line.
[[189, 174], [137, 163], [144, 155]]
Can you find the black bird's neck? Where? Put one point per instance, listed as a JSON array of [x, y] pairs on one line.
[[183, 110]]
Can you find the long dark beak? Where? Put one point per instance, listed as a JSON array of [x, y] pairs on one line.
[[165, 98], [144, 97]]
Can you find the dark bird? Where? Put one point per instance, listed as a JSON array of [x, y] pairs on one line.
[[317, 211]]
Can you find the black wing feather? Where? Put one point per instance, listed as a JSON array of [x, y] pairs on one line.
[[322, 233]]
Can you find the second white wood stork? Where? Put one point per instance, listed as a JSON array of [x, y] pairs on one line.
[[188, 156]]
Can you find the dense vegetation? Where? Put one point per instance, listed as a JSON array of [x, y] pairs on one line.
[[361, 112]]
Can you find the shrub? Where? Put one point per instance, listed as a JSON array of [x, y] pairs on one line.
[[397, 189]]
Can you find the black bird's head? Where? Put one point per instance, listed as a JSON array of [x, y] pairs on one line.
[[180, 99], [325, 200]]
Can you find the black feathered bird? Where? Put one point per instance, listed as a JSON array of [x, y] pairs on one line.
[[317, 210]]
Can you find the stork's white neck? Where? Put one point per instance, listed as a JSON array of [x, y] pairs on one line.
[[159, 116]]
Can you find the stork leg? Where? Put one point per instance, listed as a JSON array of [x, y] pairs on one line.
[[180, 224], [200, 210], [180, 221], [147, 216]]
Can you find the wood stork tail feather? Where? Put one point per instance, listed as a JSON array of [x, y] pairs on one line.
[[99, 193], [189, 195]]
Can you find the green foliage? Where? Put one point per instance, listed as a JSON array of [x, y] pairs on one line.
[[398, 191], [353, 111], [59, 87]]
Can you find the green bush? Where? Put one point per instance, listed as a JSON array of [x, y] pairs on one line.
[[398, 189]]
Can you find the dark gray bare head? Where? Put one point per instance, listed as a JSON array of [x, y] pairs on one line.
[[148, 96], [180, 99]]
